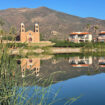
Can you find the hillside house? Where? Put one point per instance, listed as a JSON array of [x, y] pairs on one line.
[[101, 36], [78, 37]]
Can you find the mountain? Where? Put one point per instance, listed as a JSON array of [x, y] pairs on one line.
[[53, 24]]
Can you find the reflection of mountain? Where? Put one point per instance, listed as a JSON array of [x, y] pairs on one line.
[[60, 69]]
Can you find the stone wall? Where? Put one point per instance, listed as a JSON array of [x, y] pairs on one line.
[[66, 50]]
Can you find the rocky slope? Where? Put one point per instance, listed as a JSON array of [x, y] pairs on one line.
[[53, 24]]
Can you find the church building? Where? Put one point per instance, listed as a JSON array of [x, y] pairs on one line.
[[30, 36]]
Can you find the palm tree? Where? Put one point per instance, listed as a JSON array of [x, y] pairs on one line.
[[96, 30], [13, 31], [88, 27]]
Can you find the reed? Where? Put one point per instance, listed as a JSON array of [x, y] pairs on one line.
[[14, 89]]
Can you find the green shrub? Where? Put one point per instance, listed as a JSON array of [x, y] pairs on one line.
[[9, 45], [10, 38], [67, 44], [89, 45]]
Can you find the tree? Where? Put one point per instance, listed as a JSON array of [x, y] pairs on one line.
[[95, 29], [88, 26], [13, 30], [41, 37], [1, 22], [1, 32]]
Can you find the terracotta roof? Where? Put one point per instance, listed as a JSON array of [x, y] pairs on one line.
[[102, 32], [80, 65], [79, 33]]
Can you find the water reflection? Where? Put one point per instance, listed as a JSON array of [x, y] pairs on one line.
[[101, 61], [60, 69], [31, 69], [80, 61], [32, 64]]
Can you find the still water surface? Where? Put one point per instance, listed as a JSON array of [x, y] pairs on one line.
[[79, 77]]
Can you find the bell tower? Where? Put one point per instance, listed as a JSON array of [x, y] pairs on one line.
[[37, 33], [22, 33], [22, 27], [36, 27]]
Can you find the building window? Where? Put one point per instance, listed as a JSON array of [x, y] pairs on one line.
[[81, 36], [102, 40], [30, 60], [23, 69], [36, 30], [72, 36], [30, 39], [36, 26], [102, 35], [22, 30]]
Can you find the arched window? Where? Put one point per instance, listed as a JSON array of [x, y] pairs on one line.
[[30, 39], [36, 26], [22, 30], [30, 60], [36, 30]]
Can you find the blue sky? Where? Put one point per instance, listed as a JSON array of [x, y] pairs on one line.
[[82, 8]]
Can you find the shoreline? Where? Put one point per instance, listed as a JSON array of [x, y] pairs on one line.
[[52, 50]]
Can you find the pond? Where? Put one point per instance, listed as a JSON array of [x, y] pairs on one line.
[[52, 80]]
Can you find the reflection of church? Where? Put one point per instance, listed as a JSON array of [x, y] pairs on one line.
[[30, 64], [80, 61]]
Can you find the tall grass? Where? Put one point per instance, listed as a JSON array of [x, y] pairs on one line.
[[14, 89]]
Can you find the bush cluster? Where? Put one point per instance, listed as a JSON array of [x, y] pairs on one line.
[[59, 43]]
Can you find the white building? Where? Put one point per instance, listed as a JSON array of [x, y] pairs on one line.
[[101, 36], [78, 37]]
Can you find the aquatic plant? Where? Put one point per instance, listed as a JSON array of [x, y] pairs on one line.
[[14, 89]]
